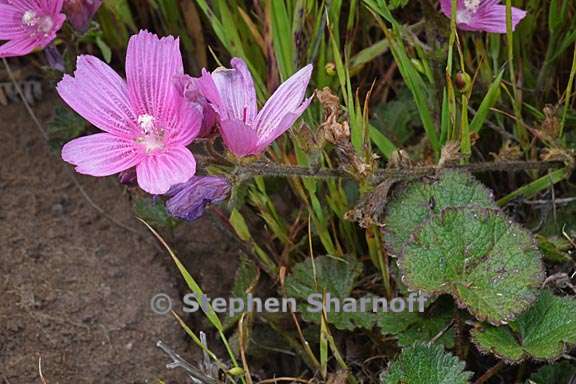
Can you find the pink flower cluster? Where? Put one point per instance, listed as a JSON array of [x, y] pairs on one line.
[[149, 120], [32, 24]]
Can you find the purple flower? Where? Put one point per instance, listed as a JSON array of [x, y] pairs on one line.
[[189, 88], [189, 200], [146, 122], [482, 15], [79, 12], [232, 94], [28, 25], [54, 58]]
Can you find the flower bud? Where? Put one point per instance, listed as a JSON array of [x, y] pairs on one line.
[[463, 81]]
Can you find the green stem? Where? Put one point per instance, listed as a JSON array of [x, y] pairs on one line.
[[568, 94], [520, 131]]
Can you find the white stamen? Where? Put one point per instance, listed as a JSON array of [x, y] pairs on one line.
[[152, 142], [472, 5], [146, 122], [152, 138], [29, 18]]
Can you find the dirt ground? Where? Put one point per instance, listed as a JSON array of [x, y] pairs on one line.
[[75, 288]]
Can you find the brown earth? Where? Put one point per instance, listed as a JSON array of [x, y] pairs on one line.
[[75, 288]]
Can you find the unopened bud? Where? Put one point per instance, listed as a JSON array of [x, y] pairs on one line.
[[463, 81]]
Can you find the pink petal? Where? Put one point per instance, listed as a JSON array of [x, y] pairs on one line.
[[101, 154], [239, 138], [11, 23], [26, 5], [237, 93], [287, 99], [152, 68], [207, 88], [18, 47], [287, 121], [189, 87], [492, 18], [446, 7], [190, 122], [157, 173], [98, 94], [52, 6]]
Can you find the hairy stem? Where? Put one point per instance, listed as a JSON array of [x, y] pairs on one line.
[[282, 170]]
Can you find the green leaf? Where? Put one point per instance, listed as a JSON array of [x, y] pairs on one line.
[[425, 364], [245, 282], [104, 49], [529, 190], [382, 143], [335, 277], [65, 126], [489, 264], [397, 4], [122, 12], [153, 211], [541, 333], [559, 373], [410, 327], [398, 118], [422, 199], [488, 102]]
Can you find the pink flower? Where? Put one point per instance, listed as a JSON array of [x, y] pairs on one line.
[[189, 200], [79, 12], [28, 25], [189, 88], [232, 94], [146, 123], [482, 15]]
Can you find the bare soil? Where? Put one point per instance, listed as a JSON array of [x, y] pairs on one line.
[[75, 288]]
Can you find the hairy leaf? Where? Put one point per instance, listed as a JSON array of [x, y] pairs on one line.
[[65, 126], [541, 333], [245, 282], [153, 211], [489, 264], [410, 327], [415, 205], [334, 277], [425, 364], [559, 373]]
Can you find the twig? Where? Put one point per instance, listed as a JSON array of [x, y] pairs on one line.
[[68, 173], [490, 373], [441, 333], [280, 170], [560, 201]]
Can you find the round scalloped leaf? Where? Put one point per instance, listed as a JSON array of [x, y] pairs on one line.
[[490, 265], [421, 200], [541, 333], [561, 372], [336, 278], [411, 327], [425, 364]]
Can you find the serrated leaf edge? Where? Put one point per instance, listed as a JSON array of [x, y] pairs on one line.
[[449, 287]]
